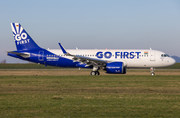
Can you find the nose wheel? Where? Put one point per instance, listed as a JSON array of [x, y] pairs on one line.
[[95, 73], [152, 74]]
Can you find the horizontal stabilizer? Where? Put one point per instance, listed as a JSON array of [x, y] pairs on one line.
[[24, 55]]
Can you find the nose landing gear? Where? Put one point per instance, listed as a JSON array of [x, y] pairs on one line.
[[152, 71]]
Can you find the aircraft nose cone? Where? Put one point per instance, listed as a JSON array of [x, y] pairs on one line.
[[172, 61]]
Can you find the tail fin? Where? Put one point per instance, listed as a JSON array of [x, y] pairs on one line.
[[22, 39]]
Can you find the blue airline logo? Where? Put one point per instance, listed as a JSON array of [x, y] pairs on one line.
[[121, 55], [20, 36]]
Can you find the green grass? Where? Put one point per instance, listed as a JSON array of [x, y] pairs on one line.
[[90, 96], [39, 66]]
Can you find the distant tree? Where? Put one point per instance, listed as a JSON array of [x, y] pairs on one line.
[[3, 61]]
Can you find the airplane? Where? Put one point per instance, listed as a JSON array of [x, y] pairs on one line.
[[113, 61]]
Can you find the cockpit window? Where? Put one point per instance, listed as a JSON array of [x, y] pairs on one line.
[[165, 55]]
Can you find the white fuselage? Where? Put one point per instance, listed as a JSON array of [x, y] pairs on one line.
[[131, 58]]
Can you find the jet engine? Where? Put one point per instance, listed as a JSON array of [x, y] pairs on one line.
[[115, 68]]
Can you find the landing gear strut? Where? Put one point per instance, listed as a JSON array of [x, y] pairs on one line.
[[95, 71], [152, 71]]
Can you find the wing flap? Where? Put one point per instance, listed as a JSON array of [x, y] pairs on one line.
[[86, 60]]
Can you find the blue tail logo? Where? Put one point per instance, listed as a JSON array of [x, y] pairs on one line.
[[22, 39]]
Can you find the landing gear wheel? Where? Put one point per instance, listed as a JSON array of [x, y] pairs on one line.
[[95, 73], [152, 74]]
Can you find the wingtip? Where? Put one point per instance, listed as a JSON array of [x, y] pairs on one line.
[[62, 48]]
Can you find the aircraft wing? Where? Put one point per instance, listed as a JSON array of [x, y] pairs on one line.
[[86, 60], [25, 55]]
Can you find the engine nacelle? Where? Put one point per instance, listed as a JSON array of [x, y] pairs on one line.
[[115, 68]]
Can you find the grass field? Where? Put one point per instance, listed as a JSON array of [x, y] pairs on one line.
[[90, 96]]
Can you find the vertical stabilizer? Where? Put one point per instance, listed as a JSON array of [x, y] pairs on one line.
[[22, 39]]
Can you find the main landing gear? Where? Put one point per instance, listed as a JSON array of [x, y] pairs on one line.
[[152, 71], [95, 71]]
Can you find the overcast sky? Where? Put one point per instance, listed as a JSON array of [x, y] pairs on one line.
[[100, 24]]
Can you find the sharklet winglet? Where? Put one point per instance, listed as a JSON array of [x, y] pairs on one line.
[[64, 50]]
